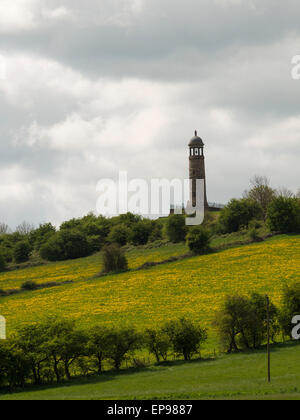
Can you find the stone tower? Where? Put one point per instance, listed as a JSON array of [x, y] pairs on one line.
[[197, 166]]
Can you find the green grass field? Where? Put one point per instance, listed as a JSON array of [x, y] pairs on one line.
[[239, 376], [194, 287]]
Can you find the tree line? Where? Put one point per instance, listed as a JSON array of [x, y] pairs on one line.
[[57, 350], [278, 210]]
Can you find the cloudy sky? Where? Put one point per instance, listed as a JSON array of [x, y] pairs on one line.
[[88, 87]]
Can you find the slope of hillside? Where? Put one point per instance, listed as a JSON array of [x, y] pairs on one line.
[[194, 287], [240, 376]]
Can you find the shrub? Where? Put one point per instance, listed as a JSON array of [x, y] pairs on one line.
[[158, 343], [156, 233], [185, 337], [241, 322], [114, 259], [290, 307], [119, 235], [284, 215], [2, 262], [176, 228], [22, 252], [238, 214], [198, 240], [52, 250], [99, 341], [140, 233], [29, 285], [123, 343], [65, 245], [41, 235]]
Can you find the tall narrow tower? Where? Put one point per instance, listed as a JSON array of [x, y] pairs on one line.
[[197, 166]]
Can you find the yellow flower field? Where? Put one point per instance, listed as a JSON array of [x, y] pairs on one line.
[[83, 268], [194, 287]]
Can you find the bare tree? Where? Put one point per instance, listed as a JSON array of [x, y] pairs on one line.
[[261, 192], [4, 229], [284, 192], [25, 228]]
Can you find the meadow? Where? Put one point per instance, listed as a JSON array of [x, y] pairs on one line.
[[194, 287]]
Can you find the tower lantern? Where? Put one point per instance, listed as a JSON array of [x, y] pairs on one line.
[[197, 166]]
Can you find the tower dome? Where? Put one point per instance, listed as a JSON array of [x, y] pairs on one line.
[[196, 141]]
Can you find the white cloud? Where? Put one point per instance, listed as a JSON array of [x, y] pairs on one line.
[[17, 15]]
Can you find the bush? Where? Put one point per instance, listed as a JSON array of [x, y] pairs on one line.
[[123, 343], [176, 228], [290, 307], [119, 235], [284, 215], [22, 252], [41, 235], [158, 343], [198, 240], [156, 233], [241, 322], [52, 250], [29, 285], [140, 233], [2, 262], [114, 259], [66, 245], [238, 214], [185, 337]]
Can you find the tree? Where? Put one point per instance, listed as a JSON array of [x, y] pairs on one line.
[[185, 337], [30, 340], [2, 262], [99, 341], [14, 365], [284, 192], [64, 345], [261, 192], [41, 235], [22, 252], [256, 330], [231, 322], [284, 215], [238, 214], [52, 250], [66, 244], [24, 228], [119, 234], [156, 231], [4, 229], [290, 307], [123, 343], [198, 240], [176, 228], [241, 323], [114, 259], [158, 343], [140, 233]]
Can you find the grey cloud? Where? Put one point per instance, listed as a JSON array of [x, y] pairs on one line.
[[102, 88]]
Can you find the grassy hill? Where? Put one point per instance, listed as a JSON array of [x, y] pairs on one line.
[[194, 287], [239, 376]]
